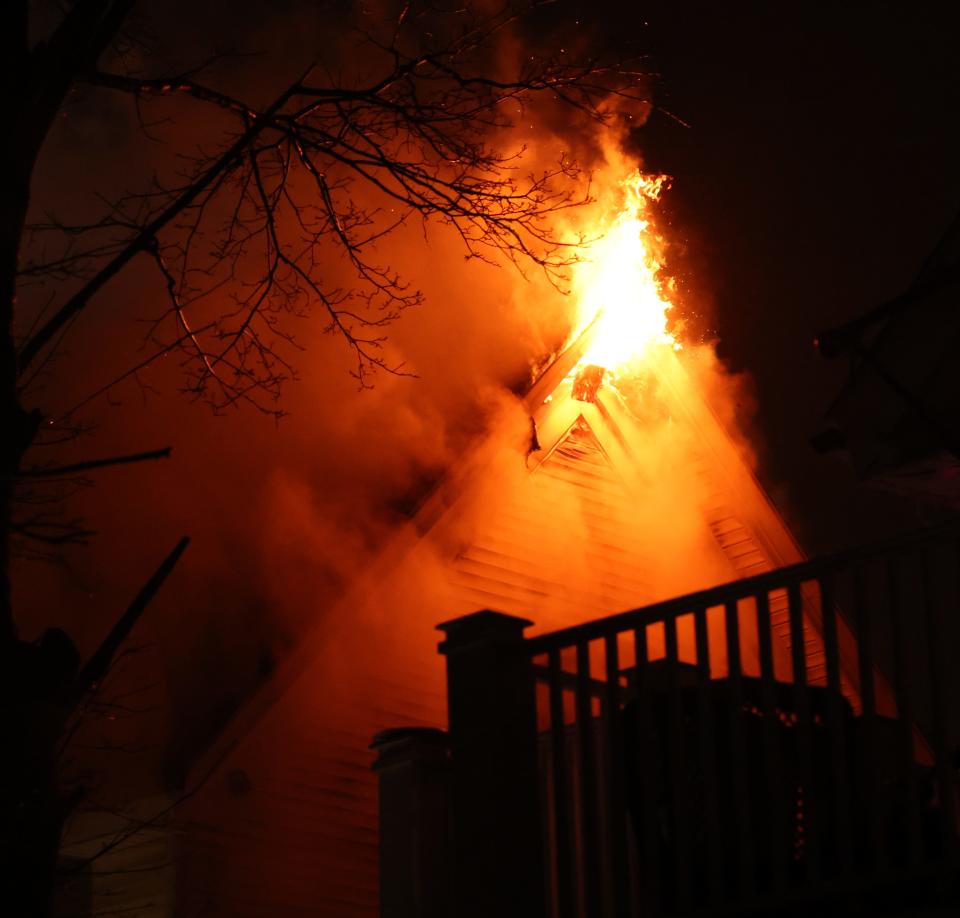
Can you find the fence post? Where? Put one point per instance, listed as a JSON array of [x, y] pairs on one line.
[[413, 769], [493, 741]]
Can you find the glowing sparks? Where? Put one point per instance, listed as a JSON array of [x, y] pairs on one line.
[[619, 287]]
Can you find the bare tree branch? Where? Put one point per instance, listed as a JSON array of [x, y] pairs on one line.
[[275, 222], [98, 665], [60, 471]]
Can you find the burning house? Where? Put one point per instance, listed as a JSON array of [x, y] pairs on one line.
[[612, 486], [529, 639], [785, 736]]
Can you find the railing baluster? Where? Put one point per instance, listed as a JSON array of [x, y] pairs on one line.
[[713, 849], [808, 826], [738, 758], [870, 813], [646, 785], [589, 822], [905, 720], [946, 777], [616, 807], [563, 865], [772, 758], [838, 729], [676, 772]]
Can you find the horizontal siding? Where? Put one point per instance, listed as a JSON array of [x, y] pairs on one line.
[[747, 559], [560, 548]]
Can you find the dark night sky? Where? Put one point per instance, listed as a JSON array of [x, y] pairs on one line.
[[817, 171]]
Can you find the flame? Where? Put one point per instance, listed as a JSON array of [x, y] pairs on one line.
[[618, 285]]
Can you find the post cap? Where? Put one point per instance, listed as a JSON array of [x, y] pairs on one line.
[[400, 745], [483, 627]]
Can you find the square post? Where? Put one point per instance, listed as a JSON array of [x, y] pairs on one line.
[[498, 851], [413, 770]]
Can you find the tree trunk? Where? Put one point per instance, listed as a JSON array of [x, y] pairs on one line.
[[35, 686], [17, 170], [34, 678]]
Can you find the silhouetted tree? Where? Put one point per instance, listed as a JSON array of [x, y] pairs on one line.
[[265, 224]]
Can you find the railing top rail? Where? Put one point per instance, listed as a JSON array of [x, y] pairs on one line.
[[740, 589]]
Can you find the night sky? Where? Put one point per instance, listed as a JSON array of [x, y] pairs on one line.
[[816, 170]]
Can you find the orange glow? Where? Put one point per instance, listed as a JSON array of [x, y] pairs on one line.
[[618, 284]]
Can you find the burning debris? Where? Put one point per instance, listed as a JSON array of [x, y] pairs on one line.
[[587, 382]]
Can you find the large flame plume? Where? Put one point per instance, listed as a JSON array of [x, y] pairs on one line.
[[621, 294]]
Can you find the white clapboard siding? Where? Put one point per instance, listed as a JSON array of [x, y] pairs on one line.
[[286, 821]]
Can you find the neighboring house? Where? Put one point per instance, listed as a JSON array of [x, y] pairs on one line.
[[898, 416], [119, 863], [557, 521]]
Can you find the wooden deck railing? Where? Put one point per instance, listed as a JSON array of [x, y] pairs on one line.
[[694, 757], [690, 763]]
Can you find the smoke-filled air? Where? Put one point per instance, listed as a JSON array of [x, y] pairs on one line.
[[294, 519]]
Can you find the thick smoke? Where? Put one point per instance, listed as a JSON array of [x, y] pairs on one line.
[[287, 518]]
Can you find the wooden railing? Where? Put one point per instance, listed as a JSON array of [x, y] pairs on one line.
[[696, 757], [785, 739]]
